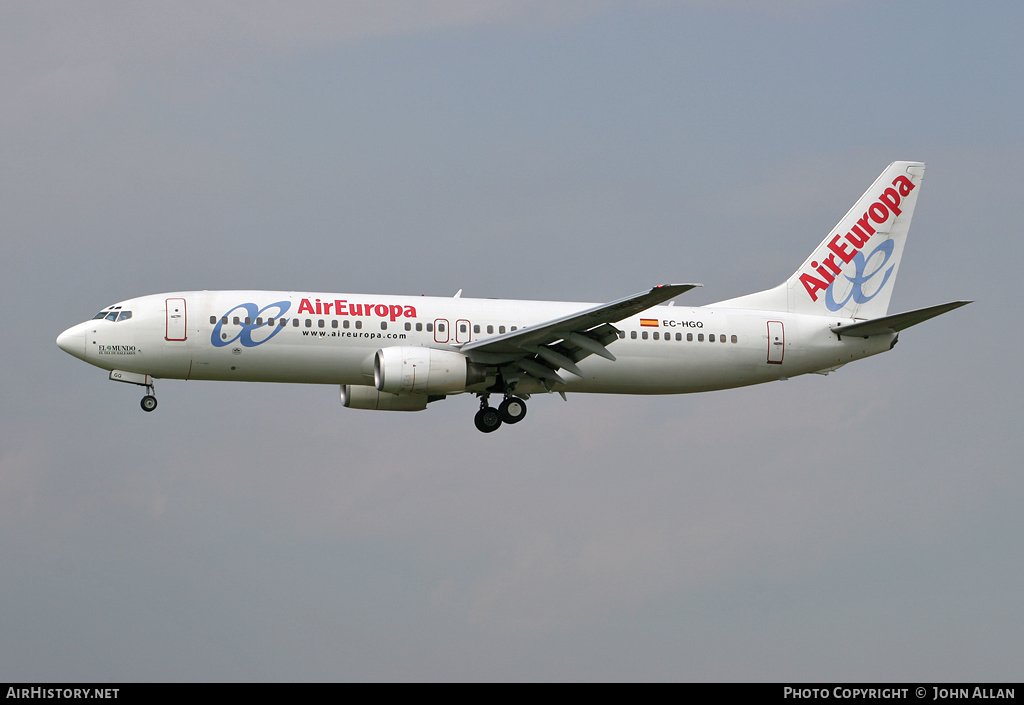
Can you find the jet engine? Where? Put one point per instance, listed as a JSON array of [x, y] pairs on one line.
[[408, 370], [361, 397]]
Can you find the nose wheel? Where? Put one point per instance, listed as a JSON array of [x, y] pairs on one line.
[[148, 402]]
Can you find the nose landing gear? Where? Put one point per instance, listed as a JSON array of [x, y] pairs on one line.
[[148, 402]]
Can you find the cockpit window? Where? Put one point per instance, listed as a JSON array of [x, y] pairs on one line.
[[114, 315]]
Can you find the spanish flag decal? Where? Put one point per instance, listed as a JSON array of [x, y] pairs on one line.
[[649, 322]]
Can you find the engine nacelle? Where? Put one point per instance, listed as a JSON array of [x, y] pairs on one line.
[[407, 370], [361, 397]]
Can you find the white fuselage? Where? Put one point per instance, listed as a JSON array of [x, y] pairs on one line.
[[321, 338]]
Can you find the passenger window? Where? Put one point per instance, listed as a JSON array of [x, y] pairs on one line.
[[656, 336], [235, 320], [430, 327], [295, 323], [622, 334], [270, 321], [679, 336], [309, 323], [224, 321], [383, 325], [259, 320], [248, 321], [689, 337], [462, 328], [419, 326], [476, 328], [722, 337], [700, 337], [281, 322], [514, 328], [408, 326], [213, 319], [711, 338], [501, 329], [345, 324], [644, 335], [320, 323], [632, 335], [440, 327], [359, 325], [735, 339]]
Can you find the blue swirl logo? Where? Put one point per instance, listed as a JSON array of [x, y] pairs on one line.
[[250, 333], [860, 278]]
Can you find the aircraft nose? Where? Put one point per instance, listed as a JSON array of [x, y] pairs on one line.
[[72, 341]]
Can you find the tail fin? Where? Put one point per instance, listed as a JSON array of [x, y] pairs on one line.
[[852, 272]]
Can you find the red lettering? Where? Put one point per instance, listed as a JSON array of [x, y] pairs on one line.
[[840, 249], [396, 311], [892, 199], [903, 184], [306, 307], [339, 307], [355, 309], [381, 310], [830, 262], [409, 312], [878, 212], [857, 237], [327, 308], [813, 285], [868, 228], [820, 269]]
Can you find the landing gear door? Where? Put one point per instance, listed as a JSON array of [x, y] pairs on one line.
[[776, 342], [177, 320]]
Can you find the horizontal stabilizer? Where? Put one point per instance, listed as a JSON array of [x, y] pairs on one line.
[[897, 322]]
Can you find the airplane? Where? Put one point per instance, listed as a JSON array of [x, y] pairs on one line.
[[401, 353]]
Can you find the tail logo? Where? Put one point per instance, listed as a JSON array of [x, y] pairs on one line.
[[859, 279], [848, 249]]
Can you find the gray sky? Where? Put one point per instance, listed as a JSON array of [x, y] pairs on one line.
[[866, 525]]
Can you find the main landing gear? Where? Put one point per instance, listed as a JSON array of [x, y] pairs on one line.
[[511, 410]]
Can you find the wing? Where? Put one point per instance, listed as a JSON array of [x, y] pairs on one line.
[[539, 351]]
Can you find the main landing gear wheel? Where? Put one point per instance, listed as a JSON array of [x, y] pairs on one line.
[[487, 419], [512, 410], [148, 402]]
